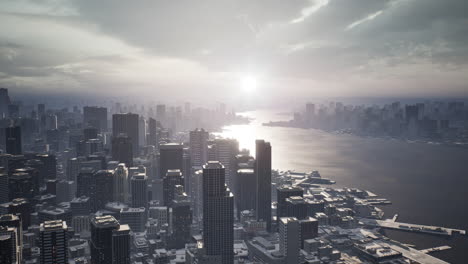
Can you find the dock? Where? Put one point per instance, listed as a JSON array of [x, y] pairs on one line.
[[416, 255], [392, 224], [435, 249]]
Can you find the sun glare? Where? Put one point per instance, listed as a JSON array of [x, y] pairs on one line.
[[249, 84]]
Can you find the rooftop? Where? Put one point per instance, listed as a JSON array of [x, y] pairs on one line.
[[53, 225], [104, 221]]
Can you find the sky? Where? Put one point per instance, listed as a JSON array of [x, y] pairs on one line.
[[235, 50]]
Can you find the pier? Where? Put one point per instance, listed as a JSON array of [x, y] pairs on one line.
[[392, 224]]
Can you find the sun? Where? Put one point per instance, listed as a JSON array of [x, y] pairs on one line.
[[248, 84]]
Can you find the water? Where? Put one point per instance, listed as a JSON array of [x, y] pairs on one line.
[[426, 183]]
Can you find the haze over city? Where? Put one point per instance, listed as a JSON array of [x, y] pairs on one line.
[[235, 49]]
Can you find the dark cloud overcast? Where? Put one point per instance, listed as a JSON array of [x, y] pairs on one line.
[[307, 48]]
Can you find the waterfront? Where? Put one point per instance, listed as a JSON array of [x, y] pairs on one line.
[[426, 183]]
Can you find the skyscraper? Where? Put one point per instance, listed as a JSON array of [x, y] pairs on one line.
[[290, 239], [142, 131], [161, 113], [54, 242], [104, 187], [263, 175], [152, 132], [90, 133], [6, 254], [4, 190], [110, 241], [226, 151], [13, 140], [170, 158], [126, 124], [181, 218], [170, 181], [122, 150], [284, 192], [4, 102], [218, 214], [13, 227], [139, 186], [9, 245], [121, 189], [245, 190], [95, 117], [85, 182], [198, 147]]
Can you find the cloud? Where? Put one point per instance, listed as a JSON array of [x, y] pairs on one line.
[[309, 47]]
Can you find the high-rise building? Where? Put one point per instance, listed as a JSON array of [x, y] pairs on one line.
[[9, 245], [4, 190], [218, 214], [110, 241], [127, 124], [139, 187], [161, 113], [198, 147], [152, 132], [73, 168], [55, 213], [13, 140], [196, 194], [95, 117], [21, 207], [181, 218], [90, 133], [297, 207], [263, 175], [170, 181], [290, 239], [50, 165], [104, 187], [309, 229], [4, 102], [226, 151], [54, 242], [6, 254], [135, 218], [20, 185], [12, 226], [85, 182], [142, 131], [170, 158], [121, 245], [284, 192], [121, 190], [122, 150], [245, 195]]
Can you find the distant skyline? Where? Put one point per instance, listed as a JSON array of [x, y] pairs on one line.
[[235, 51]]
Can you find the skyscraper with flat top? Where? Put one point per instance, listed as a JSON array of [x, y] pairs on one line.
[[54, 242], [110, 241], [218, 214], [126, 124], [170, 181], [122, 150], [290, 239], [95, 117], [4, 102], [198, 147], [121, 190], [139, 187], [263, 175], [171, 158], [13, 140]]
